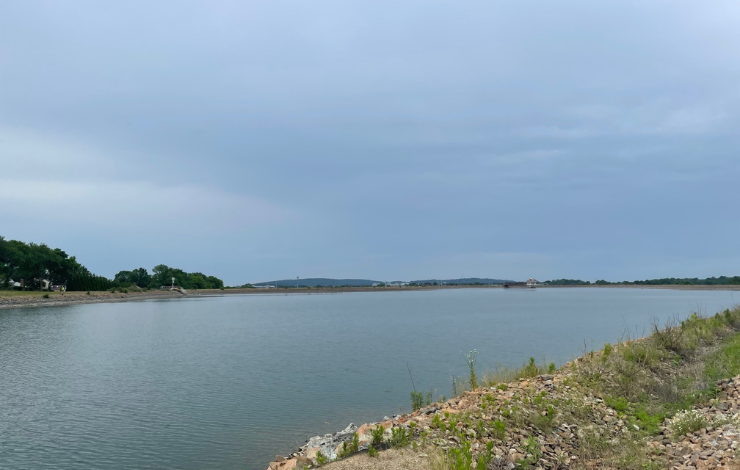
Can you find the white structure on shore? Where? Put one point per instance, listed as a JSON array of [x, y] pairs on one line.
[[532, 283]]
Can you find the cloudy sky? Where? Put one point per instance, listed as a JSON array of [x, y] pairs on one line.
[[257, 140]]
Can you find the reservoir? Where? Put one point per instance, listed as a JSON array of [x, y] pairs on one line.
[[228, 382]]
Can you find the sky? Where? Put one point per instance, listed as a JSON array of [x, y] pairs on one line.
[[260, 140]]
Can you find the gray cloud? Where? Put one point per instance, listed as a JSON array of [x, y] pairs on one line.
[[375, 139]]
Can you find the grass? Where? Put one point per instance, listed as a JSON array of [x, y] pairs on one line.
[[662, 377], [40, 294], [22, 293], [420, 399], [501, 375]]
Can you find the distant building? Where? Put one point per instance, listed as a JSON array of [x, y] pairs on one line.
[[531, 282]]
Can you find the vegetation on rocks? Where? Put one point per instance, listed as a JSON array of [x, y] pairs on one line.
[[665, 401]]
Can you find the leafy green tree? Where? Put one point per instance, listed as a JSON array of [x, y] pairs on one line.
[[123, 278], [37, 262], [140, 277], [161, 276]]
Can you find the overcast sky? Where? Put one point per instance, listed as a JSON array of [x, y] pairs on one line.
[[258, 140]]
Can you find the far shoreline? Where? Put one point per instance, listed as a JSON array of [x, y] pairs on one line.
[[30, 299]]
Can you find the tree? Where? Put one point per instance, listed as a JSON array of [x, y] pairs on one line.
[[37, 262], [140, 277], [161, 276], [123, 278]]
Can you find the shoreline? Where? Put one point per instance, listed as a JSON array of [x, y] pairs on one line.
[[583, 415], [30, 299], [56, 299]]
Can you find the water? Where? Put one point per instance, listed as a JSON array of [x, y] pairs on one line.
[[228, 382]]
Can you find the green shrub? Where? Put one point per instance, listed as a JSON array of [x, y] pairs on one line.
[[354, 447], [618, 403], [417, 400], [344, 452], [531, 369], [607, 352], [485, 458], [499, 430], [372, 452], [377, 435], [437, 422], [462, 458], [399, 437], [321, 459], [533, 451], [46, 296]]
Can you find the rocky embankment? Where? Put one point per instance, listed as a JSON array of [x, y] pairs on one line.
[[551, 425], [716, 444], [70, 298]]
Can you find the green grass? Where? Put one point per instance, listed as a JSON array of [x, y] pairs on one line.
[[651, 379], [617, 403], [22, 293], [500, 375], [420, 399], [725, 362]]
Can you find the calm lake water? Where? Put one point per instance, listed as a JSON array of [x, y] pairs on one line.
[[228, 382]]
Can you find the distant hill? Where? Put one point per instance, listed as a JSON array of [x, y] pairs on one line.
[[318, 281], [463, 281], [326, 282]]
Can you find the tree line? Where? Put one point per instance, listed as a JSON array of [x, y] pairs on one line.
[[162, 276], [680, 281], [34, 263]]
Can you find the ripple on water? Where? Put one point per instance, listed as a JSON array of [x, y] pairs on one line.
[[226, 383]]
